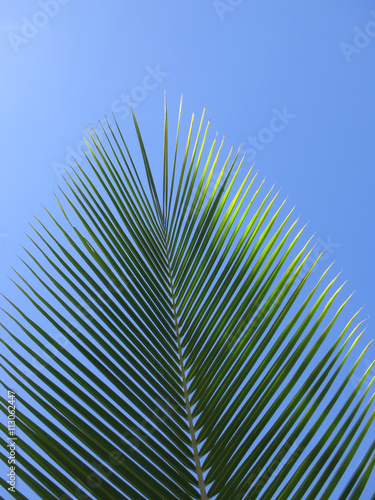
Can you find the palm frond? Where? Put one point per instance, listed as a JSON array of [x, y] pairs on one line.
[[199, 359]]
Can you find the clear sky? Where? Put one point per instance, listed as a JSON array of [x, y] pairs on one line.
[[292, 82]]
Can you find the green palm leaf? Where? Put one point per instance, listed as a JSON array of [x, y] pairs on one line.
[[196, 362]]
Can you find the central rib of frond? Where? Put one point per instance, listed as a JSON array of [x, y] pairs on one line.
[[198, 466]]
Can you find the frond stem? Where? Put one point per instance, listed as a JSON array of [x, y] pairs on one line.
[[201, 483]]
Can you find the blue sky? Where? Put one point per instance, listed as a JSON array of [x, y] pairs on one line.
[[292, 82]]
